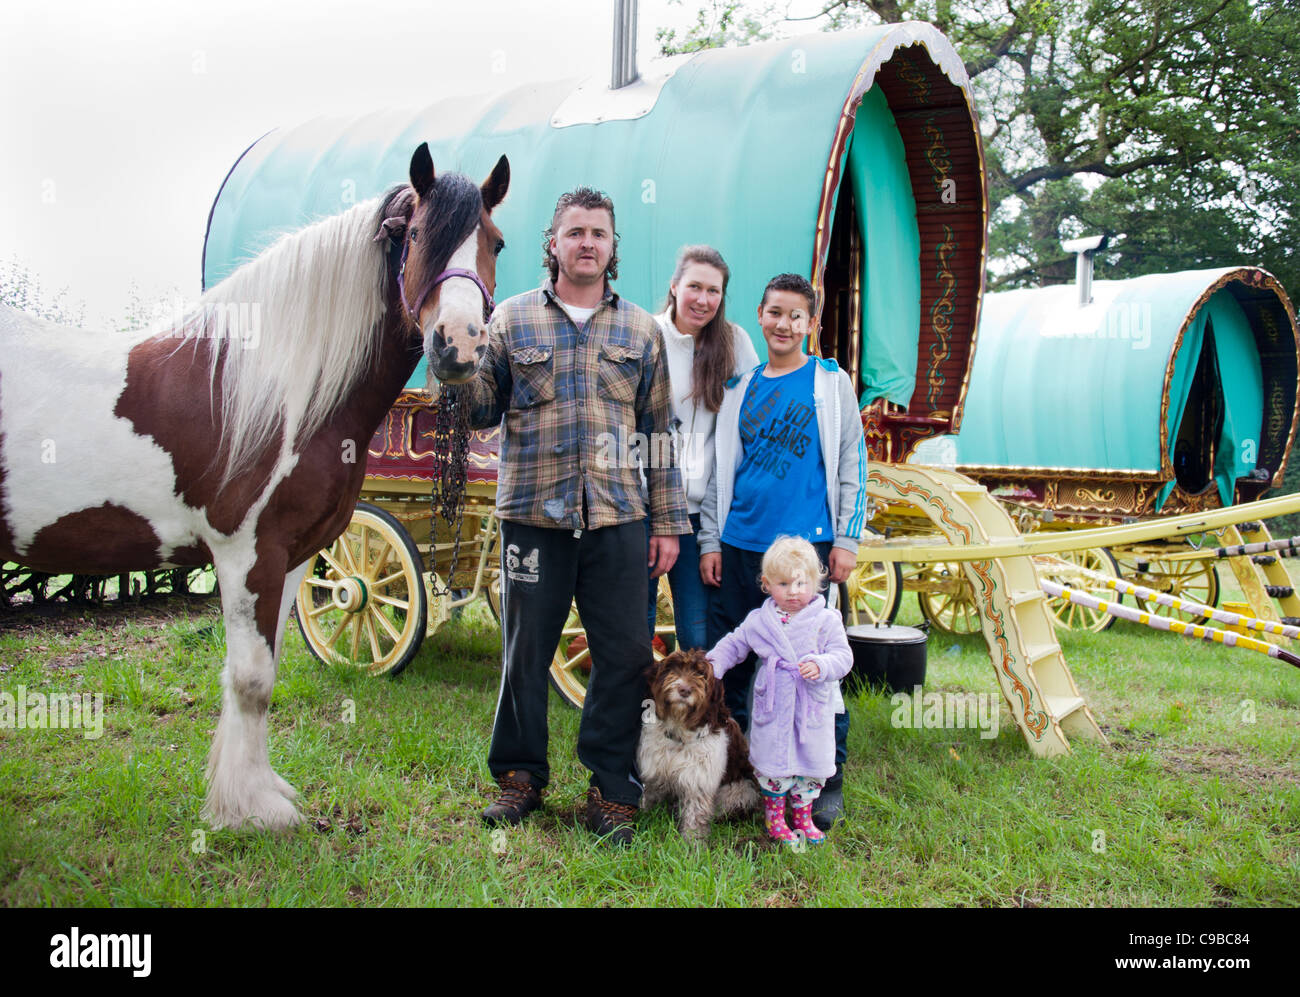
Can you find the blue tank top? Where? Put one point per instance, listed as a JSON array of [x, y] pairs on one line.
[[781, 482]]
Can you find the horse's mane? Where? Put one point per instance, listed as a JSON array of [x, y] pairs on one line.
[[292, 331], [320, 295]]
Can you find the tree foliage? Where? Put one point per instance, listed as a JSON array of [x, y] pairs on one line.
[[21, 289], [1172, 126]]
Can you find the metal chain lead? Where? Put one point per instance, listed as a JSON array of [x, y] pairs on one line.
[[451, 452]]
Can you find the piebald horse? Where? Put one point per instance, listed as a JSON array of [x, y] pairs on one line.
[[201, 443]]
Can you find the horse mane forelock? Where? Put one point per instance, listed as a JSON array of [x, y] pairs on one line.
[[456, 205], [315, 303]]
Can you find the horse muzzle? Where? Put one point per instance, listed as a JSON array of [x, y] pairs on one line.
[[449, 364]]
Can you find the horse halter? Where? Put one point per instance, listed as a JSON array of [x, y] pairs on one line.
[[489, 306]]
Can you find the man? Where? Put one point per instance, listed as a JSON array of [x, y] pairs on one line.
[[790, 460], [572, 367]]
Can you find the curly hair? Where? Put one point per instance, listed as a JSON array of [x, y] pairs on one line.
[[581, 197], [789, 556]]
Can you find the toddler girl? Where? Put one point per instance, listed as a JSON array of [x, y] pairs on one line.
[[803, 654]]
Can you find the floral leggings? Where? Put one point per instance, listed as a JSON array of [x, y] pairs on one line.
[[801, 788]]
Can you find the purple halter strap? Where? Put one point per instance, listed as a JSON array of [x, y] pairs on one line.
[[488, 304]]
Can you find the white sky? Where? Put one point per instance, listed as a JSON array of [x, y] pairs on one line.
[[119, 120]]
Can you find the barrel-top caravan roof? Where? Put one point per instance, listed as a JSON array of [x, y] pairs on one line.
[[746, 149], [1103, 390]]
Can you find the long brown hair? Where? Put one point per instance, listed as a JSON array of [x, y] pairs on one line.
[[715, 348]]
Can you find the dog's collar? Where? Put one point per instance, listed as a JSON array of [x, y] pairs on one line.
[[698, 735]]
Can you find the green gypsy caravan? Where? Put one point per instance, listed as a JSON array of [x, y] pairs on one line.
[[1165, 394], [854, 158]]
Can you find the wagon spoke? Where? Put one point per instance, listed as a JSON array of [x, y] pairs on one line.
[[349, 553], [321, 583], [387, 624], [386, 580], [382, 559], [320, 611], [328, 558], [337, 632], [571, 663], [377, 655], [388, 600], [363, 550], [356, 638]]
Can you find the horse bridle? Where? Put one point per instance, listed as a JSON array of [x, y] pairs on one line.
[[488, 304]]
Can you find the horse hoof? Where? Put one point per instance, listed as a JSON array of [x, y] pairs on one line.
[[268, 810]]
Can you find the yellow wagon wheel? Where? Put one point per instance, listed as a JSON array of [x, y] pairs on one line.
[[947, 599], [571, 666], [362, 601], [1195, 581], [873, 593], [1066, 614]]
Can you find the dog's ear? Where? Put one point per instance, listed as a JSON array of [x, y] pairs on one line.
[[717, 699]]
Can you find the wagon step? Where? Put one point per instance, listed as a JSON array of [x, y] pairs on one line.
[[1062, 706], [1031, 671], [1040, 652], [1019, 598]]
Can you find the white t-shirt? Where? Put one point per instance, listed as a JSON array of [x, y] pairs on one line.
[[697, 423], [579, 315]]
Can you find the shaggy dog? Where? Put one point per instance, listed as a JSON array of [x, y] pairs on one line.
[[691, 750]]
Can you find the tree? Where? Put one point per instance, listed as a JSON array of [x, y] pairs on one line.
[[1173, 126], [21, 289]]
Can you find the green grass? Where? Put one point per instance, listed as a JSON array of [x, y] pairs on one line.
[[1189, 805]]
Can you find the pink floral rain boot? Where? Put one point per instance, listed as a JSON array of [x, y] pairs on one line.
[[774, 819], [803, 822]]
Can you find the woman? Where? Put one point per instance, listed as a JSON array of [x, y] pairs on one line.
[[704, 351]]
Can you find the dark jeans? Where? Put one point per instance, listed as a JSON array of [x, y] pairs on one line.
[[741, 593], [690, 595], [542, 570]]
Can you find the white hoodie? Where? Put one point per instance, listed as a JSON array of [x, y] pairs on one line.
[[696, 423]]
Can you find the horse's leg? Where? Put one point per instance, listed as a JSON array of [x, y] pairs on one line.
[[291, 583], [242, 787]]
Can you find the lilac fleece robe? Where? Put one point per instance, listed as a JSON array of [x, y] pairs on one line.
[[792, 730]]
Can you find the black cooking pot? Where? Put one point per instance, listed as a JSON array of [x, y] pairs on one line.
[[888, 656]]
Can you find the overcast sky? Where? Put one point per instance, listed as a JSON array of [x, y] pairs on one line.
[[119, 120]]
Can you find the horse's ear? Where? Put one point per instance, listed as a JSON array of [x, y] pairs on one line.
[[422, 171], [397, 213], [494, 187]]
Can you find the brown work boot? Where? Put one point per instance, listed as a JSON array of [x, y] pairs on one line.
[[519, 797], [613, 822]]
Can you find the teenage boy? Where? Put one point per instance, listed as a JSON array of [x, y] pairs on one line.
[[790, 460], [571, 364]]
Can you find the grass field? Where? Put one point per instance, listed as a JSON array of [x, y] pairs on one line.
[[1195, 801]]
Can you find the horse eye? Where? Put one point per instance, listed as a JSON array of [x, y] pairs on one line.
[[500, 246], [415, 232]]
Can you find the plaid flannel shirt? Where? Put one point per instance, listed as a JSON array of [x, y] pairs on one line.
[[573, 401]]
